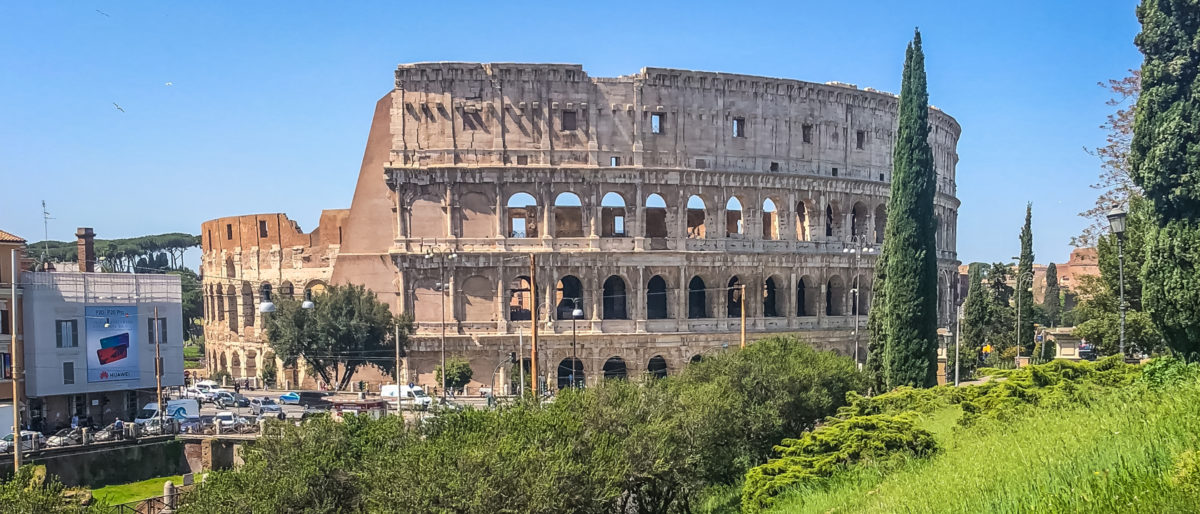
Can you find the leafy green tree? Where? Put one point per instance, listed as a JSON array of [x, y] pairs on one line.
[[877, 337], [269, 372], [1052, 300], [193, 302], [1001, 309], [1025, 293], [910, 310], [31, 490], [976, 319], [1099, 321], [458, 375], [1166, 165], [347, 328]]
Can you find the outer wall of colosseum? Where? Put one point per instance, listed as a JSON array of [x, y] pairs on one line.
[[647, 200]]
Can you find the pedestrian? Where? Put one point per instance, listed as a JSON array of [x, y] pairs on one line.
[[75, 421], [237, 388]]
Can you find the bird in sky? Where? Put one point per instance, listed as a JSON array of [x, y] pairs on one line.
[[104, 13], [169, 84], [118, 107]]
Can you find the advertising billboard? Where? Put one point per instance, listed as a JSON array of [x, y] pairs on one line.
[[111, 343]]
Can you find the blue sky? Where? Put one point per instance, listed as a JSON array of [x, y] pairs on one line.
[[270, 103]]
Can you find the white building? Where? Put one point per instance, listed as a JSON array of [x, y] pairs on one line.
[[90, 343]]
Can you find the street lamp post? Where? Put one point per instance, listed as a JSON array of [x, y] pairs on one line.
[[857, 249], [441, 288], [1022, 280], [1116, 220], [576, 313]]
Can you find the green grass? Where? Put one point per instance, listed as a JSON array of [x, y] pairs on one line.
[[1115, 455], [124, 493], [191, 353]]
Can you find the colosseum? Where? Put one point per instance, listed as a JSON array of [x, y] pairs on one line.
[[660, 204]]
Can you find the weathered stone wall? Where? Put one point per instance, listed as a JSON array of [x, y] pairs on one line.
[[648, 200]]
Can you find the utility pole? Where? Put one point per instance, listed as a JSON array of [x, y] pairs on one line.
[[957, 347], [533, 326], [16, 358], [520, 359], [162, 405], [397, 365], [743, 304]]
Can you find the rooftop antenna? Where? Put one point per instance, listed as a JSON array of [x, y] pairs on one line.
[[46, 233]]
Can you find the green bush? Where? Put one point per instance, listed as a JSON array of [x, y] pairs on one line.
[[832, 448]]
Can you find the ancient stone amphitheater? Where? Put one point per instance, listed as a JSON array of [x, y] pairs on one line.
[[648, 200]]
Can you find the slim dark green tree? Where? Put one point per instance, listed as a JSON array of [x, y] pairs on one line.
[[876, 335], [910, 309], [975, 317], [1166, 165], [1025, 293], [1053, 298]]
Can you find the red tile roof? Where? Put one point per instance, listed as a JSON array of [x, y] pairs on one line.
[[9, 238]]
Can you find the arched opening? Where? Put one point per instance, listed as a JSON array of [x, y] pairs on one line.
[[768, 297], [656, 298], [220, 303], [695, 358], [478, 299], [248, 309], [520, 305], [656, 216], [697, 301], [235, 363], [612, 216], [478, 215], [224, 363], [427, 218], [614, 368], [733, 298], [880, 222], [770, 220], [802, 229], [569, 297], [937, 232], [862, 299], [695, 217], [941, 308], [614, 298], [287, 290], [570, 373], [835, 297], [657, 368], [858, 220], [733, 217], [522, 215], [806, 296], [230, 270], [831, 224], [568, 216], [251, 364], [232, 304]]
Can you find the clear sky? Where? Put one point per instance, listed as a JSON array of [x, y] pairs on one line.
[[269, 103]]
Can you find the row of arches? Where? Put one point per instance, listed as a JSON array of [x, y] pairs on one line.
[[568, 216], [223, 302], [831, 296], [571, 371]]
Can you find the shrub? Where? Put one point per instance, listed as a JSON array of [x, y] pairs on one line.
[[832, 448]]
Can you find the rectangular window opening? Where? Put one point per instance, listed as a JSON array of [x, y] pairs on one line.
[[614, 161], [835, 172], [568, 120], [67, 333], [229, 231], [262, 228], [68, 373], [860, 139], [522, 160], [806, 132], [774, 166], [881, 177], [656, 123], [739, 127], [161, 335]]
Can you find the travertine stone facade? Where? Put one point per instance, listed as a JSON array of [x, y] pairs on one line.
[[647, 199]]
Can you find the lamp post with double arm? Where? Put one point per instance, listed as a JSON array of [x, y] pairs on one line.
[[857, 247]]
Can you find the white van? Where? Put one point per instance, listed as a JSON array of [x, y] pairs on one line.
[[412, 396], [177, 409], [202, 388]]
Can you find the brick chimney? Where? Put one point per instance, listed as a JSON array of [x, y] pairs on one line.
[[85, 244]]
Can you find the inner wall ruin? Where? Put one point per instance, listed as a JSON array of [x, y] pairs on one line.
[[649, 200]]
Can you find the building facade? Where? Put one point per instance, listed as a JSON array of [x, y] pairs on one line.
[[649, 201], [90, 341]]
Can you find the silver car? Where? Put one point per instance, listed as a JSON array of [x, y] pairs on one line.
[[267, 406]]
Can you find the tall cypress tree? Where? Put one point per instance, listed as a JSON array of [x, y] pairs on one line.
[[910, 281], [1025, 293], [975, 317], [878, 336], [1166, 164], [1053, 299]]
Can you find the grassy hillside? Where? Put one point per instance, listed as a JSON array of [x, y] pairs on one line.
[[1128, 450]]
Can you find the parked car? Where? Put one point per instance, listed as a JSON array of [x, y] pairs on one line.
[[1087, 351], [30, 440], [65, 437], [225, 400], [229, 420], [412, 396], [260, 406], [108, 433], [306, 398], [212, 394]]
